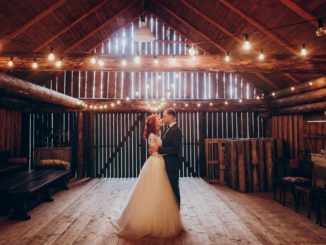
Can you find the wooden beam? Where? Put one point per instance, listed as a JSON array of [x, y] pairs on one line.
[[29, 90], [319, 106], [218, 26], [300, 11], [8, 38], [67, 28], [211, 21], [302, 88], [182, 105], [188, 24], [259, 26], [292, 78], [298, 99], [183, 63], [105, 23], [266, 80]]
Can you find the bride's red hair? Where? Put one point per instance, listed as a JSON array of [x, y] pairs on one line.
[[150, 125]]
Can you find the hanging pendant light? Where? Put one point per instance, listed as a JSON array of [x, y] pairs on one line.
[[143, 34]]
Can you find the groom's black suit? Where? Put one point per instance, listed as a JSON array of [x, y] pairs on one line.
[[171, 151]]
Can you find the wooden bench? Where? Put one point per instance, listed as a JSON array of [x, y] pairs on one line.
[[18, 188]]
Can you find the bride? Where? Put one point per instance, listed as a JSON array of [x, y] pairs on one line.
[[151, 209]]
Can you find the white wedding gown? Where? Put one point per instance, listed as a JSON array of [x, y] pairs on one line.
[[151, 209]]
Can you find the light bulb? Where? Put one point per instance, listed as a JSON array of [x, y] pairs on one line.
[[100, 62], [240, 100], [186, 105], [93, 60], [261, 55], [246, 44], [123, 62], [198, 105], [156, 62], [137, 59], [11, 62], [58, 63], [192, 51], [303, 51], [310, 83], [127, 98], [118, 102], [34, 64], [273, 94], [51, 55], [227, 57], [210, 104], [226, 102], [173, 60], [292, 88]]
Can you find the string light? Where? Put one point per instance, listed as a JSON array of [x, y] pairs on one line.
[[51, 55], [273, 93], [58, 63], [226, 102], [174, 104], [246, 44], [112, 104], [310, 83], [261, 55], [127, 98], [92, 60], [137, 93], [118, 102], [210, 104], [137, 59], [176, 75], [156, 62], [227, 57], [303, 51], [124, 62], [159, 77], [192, 51], [100, 62], [34, 64], [292, 88], [198, 105], [11, 62], [105, 106], [186, 105], [240, 100], [173, 60]]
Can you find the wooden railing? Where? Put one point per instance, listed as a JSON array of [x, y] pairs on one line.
[[245, 165]]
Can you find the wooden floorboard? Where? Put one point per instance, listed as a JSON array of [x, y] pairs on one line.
[[211, 214]]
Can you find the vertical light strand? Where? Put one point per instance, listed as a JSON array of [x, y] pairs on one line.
[[101, 86], [197, 85], [152, 30], [192, 85], [224, 95], [94, 84], [247, 89], [132, 38], [107, 84], [217, 85], [184, 85], [115, 84], [231, 85], [235, 87], [86, 83], [156, 37], [163, 38], [122, 84], [205, 86], [132, 84], [209, 86], [241, 86]]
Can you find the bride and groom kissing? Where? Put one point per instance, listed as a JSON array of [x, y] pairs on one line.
[[153, 205]]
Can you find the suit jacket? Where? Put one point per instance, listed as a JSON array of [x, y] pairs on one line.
[[171, 148]]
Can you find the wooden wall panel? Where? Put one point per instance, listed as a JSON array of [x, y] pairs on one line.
[[299, 134], [10, 131]]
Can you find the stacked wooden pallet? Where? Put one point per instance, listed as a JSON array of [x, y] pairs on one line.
[[245, 165]]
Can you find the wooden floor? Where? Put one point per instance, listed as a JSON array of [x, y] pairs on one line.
[[211, 215]]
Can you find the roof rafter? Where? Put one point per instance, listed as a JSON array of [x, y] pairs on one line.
[[67, 28], [262, 77], [259, 26], [84, 38], [189, 25], [8, 38], [300, 11]]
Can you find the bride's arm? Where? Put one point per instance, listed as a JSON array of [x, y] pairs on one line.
[[153, 145]]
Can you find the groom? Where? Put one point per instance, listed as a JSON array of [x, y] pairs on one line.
[[171, 150]]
